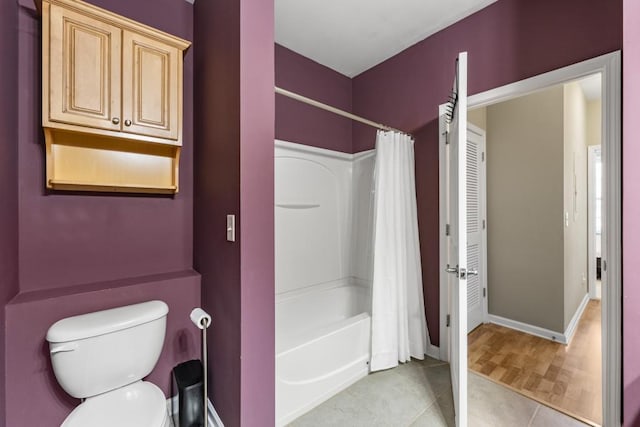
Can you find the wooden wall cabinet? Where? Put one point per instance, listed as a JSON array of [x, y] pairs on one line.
[[111, 101]]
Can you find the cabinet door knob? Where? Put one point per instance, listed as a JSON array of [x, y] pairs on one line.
[[127, 122], [115, 120]]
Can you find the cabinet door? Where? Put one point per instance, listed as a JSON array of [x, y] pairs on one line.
[[151, 87], [84, 70]]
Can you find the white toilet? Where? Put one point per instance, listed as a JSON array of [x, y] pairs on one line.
[[102, 357]]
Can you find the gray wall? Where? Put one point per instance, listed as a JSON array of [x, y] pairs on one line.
[[575, 199], [594, 122], [524, 209], [478, 117], [537, 205]]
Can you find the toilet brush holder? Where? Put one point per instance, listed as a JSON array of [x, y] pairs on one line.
[[188, 392]]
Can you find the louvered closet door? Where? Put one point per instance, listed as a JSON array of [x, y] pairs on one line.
[[475, 216]]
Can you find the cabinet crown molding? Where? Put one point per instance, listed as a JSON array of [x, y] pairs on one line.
[[108, 17]]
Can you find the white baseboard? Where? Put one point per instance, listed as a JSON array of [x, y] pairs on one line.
[[573, 324], [212, 416], [528, 329], [213, 420], [433, 351]]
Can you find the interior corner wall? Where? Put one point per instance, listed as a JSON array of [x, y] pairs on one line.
[[575, 200], [478, 117], [524, 209], [8, 174], [217, 193], [304, 124], [507, 41], [631, 213], [234, 125]]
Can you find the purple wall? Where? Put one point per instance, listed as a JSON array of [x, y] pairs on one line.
[[68, 248], [8, 172], [34, 394], [304, 124], [217, 193], [257, 242], [507, 41], [631, 213], [70, 239], [234, 175]]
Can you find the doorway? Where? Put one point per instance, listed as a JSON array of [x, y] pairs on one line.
[[543, 336], [608, 65]]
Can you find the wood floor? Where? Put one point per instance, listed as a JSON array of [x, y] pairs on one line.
[[565, 377]]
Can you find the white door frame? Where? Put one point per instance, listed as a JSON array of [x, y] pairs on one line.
[[609, 66], [591, 211]]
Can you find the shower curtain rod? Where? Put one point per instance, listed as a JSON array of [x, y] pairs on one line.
[[335, 110]]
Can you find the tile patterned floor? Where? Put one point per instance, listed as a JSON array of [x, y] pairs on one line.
[[565, 377], [418, 394]]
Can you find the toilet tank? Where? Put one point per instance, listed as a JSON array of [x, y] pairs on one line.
[[97, 352]]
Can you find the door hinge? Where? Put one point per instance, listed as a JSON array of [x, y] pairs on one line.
[[484, 224], [447, 230], [448, 320], [484, 292], [604, 265], [446, 137], [483, 156]]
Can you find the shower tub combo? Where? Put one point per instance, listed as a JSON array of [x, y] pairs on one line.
[[323, 267], [322, 347]]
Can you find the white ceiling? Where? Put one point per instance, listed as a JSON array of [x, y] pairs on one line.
[[351, 36]]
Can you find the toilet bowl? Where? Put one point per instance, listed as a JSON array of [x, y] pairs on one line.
[[102, 357]]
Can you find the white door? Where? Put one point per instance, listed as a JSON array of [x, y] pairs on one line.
[[457, 242], [476, 224]]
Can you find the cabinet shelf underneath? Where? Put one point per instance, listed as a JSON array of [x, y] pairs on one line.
[[86, 162], [122, 188]]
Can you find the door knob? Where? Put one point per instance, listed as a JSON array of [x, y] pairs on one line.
[[452, 270], [115, 120], [127, 122], [473, 272]]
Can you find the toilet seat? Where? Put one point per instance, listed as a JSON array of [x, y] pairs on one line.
[[141, 404]]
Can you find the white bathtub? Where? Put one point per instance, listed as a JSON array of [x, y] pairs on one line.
[[322, 345]]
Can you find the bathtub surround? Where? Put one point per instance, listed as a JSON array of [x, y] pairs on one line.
[[323, 216], [398, 325], [234, 137], [324, 223]]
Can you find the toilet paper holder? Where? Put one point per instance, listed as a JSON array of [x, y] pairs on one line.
[[202, 320]]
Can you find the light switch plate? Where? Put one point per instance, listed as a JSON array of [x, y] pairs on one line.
[[231, 228]]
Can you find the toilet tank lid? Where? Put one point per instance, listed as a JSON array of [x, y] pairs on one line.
[[105, 321]]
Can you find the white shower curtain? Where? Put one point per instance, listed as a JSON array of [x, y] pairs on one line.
[[398, 324]]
